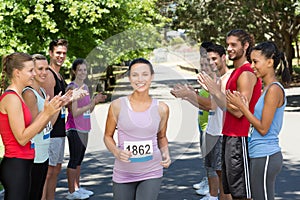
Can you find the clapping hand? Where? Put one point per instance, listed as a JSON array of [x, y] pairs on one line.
[[67, 98], [53, 106], [208, 83], [181, 91], [236, 98], [79, 93], [99, 98]]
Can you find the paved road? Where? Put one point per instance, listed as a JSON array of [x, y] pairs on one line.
[[186, 168]]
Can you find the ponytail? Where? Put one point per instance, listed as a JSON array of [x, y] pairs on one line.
[[3, 74], [285, 72]]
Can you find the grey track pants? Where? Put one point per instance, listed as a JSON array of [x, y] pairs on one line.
[[140, 190], [263, 175]]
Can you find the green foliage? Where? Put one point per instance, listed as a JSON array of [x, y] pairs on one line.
[[30, 25], [277, 20], [296, 69]]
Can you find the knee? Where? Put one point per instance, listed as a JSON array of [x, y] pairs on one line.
[[53, 170], [57, 169], [73, 163]]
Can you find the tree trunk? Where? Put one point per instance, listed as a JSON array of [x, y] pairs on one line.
[[289, 50]]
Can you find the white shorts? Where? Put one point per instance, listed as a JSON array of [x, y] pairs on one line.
[[56, 150]]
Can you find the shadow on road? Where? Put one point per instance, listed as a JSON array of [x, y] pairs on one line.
[[287, 183], [178, 179]]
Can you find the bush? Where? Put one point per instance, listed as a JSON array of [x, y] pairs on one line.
[[296, 69]]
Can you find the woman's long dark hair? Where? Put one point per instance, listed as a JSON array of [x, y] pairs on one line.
[[270, 51]]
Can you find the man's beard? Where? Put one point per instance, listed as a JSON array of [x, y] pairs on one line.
[[239, 54]]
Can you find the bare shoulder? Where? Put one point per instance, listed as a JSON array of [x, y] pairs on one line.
[[246, 75], [49, 84], [50, 80], [246, 80], [50, 77], [276, 90], [163, 108], [28, 95], [275, 95], [9, 102], [115, 106]]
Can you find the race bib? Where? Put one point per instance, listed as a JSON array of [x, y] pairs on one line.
[[86, 114], [63, 112], [47, 131], [251, 129], [142, 151], [32, 144]]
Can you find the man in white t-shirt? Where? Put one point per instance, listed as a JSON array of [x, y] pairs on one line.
[[212, 147]]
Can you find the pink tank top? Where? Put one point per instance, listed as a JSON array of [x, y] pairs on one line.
[[81, 122], [137, 132]]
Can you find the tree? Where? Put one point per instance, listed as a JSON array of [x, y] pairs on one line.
[[29, 26], [277, 20]]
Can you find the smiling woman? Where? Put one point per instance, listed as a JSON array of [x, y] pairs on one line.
[[142, 149], [264, 150], [78, 126], [17, 127], [34, 97]]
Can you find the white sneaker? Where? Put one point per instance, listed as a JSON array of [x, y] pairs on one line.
[[208, 197], [77, 195], [85, 191], [203, 190], [203, 182]]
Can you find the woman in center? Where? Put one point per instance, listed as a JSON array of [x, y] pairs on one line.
[[141, 151]]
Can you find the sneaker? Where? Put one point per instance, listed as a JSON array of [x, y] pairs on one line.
[[203, 190], [207, 197], [77, 195], [204, 182], [85, 191]]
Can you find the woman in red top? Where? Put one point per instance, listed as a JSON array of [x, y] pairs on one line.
[[17, 128]]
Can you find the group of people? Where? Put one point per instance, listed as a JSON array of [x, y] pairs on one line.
[[33, 126], [240, 162]]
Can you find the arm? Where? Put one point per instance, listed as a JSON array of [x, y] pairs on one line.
[[111, 123], [188, 93], [161, 135], [273, 99], [16, 118], [214, 89], [245, 85], [73, 105], [31, 101], [76, 111]]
